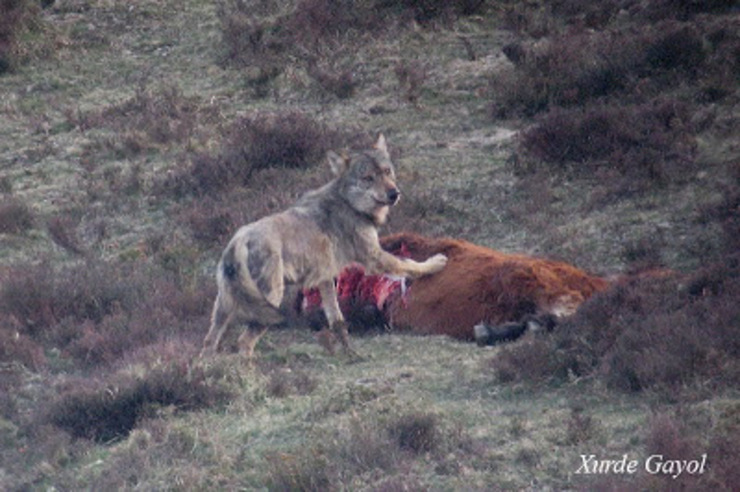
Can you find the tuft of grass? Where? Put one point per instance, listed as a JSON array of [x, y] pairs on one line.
[[281, 384], [302, 471], [417, 433], [581, 427], [411, 75], [62, 231]]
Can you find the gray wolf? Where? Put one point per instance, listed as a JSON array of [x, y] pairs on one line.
[[308, 245]]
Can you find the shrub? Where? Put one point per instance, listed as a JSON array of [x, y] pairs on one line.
[[112, 410], [411, 76], [581, 427], [724, 447], [652, 141], [269, 37], [40, 296], [21, 349], [676, 47], [655, 331], [305, 470], [210, 223], [417, 433], [341, 83], [727, 213], [62, 232], [21, 33], [578, 66], [15, 216], [566, 70], [425, 11], [150, 119], [289, 140], [95, 313], [532, 361]]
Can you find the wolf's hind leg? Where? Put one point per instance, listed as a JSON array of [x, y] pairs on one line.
[[248, 340], [220, 321]]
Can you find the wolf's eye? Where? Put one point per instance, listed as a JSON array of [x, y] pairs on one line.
[[368, 178], [387, 171]]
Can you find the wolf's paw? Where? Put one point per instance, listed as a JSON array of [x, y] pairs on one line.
[[435, 263], [208, 350]]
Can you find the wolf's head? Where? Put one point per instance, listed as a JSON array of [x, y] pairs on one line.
[[367, 180]]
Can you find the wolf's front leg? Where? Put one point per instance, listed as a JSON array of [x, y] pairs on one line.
[[434, 264], [388, 263]]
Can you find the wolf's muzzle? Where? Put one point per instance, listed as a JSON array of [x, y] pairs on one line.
[[393, 196]]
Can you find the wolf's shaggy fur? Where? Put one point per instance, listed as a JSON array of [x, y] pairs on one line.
[[308, 245]]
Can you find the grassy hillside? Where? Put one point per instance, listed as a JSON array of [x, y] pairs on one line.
[[135, 137]]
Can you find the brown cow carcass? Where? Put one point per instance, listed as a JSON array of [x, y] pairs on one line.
[[482, 294], [483, 287]]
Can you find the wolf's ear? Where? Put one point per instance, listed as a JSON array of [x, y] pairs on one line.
[[337, 163], [381, 145]]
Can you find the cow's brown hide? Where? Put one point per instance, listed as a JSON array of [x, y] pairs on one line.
[[481, 285]]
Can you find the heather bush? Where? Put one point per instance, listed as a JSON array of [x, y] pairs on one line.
[[650, 143], [40, 296], [426, 11], [566, 70], [15, 216], [415, 432], [147, 121], [62, 230], [19, 348], [307, 32], [337, 81], [111, 410], [95, 313], [22, 33], [656, 331], [269, 41], [724, 448], [313, 23], [581, 427], [371, 443], [411, 75], [727, 213], [288, 140], [578, 66], [211, 223]]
